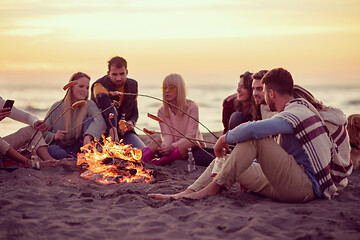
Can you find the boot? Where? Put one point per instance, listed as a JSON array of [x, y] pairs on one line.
[[174, 155], [147, 155]]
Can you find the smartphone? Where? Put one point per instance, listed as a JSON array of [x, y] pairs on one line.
[[9, 104]]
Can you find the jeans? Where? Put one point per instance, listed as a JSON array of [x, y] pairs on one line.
[[236, 119], [60, 152], [202, 158], [133, 139]]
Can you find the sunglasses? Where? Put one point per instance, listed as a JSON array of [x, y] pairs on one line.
[[169, 88]]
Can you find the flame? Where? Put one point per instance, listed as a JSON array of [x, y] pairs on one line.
[[126, 163]]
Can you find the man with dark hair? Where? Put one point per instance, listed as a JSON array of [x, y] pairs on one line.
[[297, 169], [262, 110], [106, 90]]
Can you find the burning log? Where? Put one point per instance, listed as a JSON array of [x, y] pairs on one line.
[[115, 163]]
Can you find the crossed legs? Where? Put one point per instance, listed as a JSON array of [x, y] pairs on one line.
[[277, 175]]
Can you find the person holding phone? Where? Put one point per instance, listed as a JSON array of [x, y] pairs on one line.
[[9, 145]]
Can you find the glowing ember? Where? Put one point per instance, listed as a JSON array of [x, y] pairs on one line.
[[115, 163]]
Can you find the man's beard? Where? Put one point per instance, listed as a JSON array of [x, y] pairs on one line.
[[272, 106], [261, 102]]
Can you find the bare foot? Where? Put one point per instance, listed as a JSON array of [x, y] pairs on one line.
[[177, 196], [211, 189], [48, 163]]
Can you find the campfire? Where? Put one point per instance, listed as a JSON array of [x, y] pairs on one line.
[[116, 162]]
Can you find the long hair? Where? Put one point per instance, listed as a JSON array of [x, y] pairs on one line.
[[181, 101], [79, 118], [238, 105], [300, 92]]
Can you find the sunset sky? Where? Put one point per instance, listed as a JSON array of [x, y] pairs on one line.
[[207, 41]]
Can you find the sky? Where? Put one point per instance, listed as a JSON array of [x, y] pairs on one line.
[[208, 42]]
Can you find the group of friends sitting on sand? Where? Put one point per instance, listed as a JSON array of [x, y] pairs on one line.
[[279, 140]]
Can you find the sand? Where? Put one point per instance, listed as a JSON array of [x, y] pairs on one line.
[[56, 203]]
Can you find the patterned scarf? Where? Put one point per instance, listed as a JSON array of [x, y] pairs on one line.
[[314, 137]]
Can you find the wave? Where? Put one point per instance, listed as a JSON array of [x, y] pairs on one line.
[[353, 102], [32, 109]]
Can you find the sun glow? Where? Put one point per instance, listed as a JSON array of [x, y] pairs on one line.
[[206, 41]]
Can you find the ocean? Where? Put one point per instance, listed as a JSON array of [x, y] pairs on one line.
[[37, 100]]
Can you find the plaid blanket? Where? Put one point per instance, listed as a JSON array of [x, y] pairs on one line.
[[314, 137], [8, 163]]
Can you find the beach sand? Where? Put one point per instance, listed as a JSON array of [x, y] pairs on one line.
[[56, 203]]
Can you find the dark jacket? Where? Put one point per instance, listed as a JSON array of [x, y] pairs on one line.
[[128, 105]]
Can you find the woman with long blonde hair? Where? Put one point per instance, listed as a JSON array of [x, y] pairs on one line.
[[68, 133], [173, 146]]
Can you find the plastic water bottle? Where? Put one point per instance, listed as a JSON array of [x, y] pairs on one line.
[[219, 161], [191, 161]]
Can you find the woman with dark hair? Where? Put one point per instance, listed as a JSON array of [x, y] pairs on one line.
[[67, 134], [239, 107]]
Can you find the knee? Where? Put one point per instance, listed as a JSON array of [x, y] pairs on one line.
[[236, 119], [133, 139], [57, 152]]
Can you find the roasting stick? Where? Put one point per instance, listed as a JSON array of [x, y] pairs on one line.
[[66, 87], [195, 143], [73, 106], [175, 135], [146, 133], [144, 95], [195, 139], [91, 118]]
